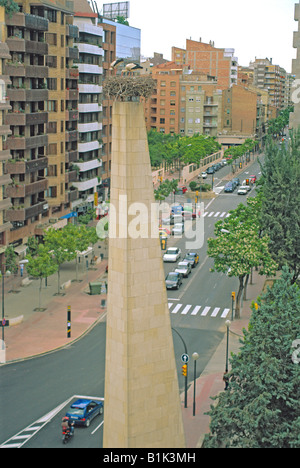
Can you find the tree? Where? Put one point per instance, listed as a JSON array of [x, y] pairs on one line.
[[10, 6], [61, 245], [239, 247], [261, 407], [280, 212], [41, 266]]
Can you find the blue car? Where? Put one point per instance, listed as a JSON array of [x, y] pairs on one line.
[[229, 187], [82, 411]]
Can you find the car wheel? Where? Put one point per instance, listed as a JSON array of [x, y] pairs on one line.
[[88, 422], [101, 410]]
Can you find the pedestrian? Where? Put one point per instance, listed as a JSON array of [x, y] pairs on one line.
[[21, 269]]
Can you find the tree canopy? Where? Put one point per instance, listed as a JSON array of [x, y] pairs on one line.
[[261, 407]]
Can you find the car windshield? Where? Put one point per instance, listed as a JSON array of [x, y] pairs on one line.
[[189, 257], [172, 276], [171, 252]]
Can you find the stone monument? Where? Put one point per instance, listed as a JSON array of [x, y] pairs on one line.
[[142, 406]]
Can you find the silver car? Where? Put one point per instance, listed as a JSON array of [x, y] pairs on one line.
[[184, 268], [172, 254]]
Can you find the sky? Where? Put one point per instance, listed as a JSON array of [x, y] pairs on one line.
[[260, 28]]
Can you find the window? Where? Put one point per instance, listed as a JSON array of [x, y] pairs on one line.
[[162, 83], [51, 61], [173, 84], [162, 120], [172, 103], [52, 149], [52, 106], [52, 127]]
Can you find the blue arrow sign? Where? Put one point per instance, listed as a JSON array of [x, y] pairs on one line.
[[185, 358]]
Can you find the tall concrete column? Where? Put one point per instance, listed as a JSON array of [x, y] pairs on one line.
[[142, 405]]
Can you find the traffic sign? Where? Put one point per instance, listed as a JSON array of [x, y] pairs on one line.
[[4, 323], [185, 358]]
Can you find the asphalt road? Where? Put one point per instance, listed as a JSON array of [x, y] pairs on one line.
[[32, 389]]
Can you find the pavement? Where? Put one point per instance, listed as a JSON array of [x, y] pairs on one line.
[[37, 330]]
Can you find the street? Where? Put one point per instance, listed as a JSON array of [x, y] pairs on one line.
[[34, 389]]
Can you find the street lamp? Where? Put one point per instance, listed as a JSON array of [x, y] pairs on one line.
[[185, 377], [195, 356], [227, 323]]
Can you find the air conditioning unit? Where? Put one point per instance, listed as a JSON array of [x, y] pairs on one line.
[[53, 220]]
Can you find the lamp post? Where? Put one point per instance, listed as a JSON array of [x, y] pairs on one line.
[[185, 378], [227, 323], [195, 356]]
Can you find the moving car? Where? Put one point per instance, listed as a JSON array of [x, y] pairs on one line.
[[192, 258], [178, 229], [210, 170], [253, 179], [243, 190], [203, 175], [184, 268], [229, 187], [172, 254], [82, 411], [173, 280], [173, 219], [236, 181]]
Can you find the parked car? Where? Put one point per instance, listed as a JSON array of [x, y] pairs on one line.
[[173, 280], [224, 162], [242, 190], [184, 268], [229, 187], [180, 190], [173, 219], [203, 175], [192, 258], [253, 179], [82, 411], [172, 254], [210, 170], [178, 229]]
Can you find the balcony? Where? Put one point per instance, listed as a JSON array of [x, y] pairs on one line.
[[71, 176], [71, 135], [22, 190], [22, 143], [27, 21], [23, 95], [22, 214], [72, 73], [89, 127], [17, 44], [91, 69], [72, 115], [86, 184], [72, 53], [71, 156], [89, 165], [72, 94], [25, 167], [20, 118], [92, 107], [27, 71]]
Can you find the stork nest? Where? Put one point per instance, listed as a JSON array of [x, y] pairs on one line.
[[128, 88]]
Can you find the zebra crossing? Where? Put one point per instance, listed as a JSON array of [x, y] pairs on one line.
[[198, 310], [216, 214]]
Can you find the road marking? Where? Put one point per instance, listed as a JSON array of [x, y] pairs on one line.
[[217, 214], [205, 311], [215, 312], [174, 311], [196, 310], [225, 313], [186, 309], [223, 214], [98, 427]]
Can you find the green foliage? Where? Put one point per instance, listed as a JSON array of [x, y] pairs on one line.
[[122, 20], [276, 126], [280, 212], [238, 151], [11, 259], [238, 246], [165, 188], [10, 6], [175, 149], [261, 408]]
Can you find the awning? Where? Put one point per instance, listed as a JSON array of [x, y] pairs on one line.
[[20, 249]]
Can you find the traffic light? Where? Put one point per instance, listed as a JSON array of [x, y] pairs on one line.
[[184, 370], [233, 295], [247, 181]]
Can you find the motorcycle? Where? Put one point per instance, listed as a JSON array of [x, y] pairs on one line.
[[67, 435]]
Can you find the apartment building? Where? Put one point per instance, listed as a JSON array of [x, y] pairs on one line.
[[272, 77], [185, 102], [27, 119], [5, 155], [239, 115], [206, 58], [89, 44], [43, 117]]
